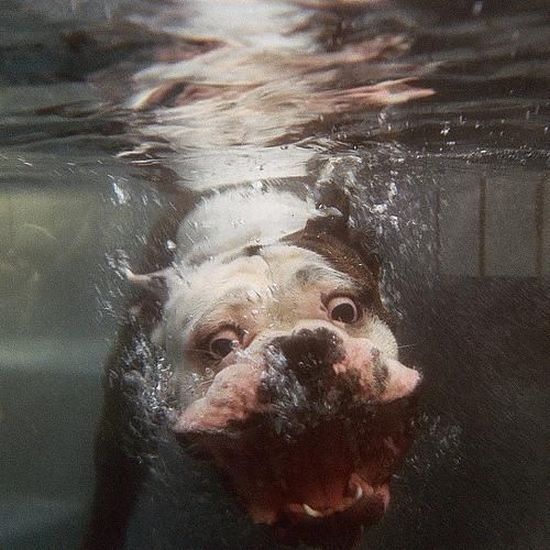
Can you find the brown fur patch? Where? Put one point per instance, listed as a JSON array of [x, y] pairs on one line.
[[331, 239]]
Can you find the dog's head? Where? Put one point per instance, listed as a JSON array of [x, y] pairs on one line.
[[297, 391]]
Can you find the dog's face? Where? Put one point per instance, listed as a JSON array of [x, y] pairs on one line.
[[289, 379]]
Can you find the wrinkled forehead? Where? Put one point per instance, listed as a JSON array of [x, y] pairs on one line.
[[292, 265], [252, 275]]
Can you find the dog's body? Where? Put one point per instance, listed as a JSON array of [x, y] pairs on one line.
[[283, 367], [259, 335], [302, 416]]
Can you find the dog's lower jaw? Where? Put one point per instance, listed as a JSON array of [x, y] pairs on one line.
[[359, 503], [333, 476]]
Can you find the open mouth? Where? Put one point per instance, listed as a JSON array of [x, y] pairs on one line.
[[317, 474], [335, 526]]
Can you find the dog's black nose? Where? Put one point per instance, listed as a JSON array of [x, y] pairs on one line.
[[309, 352]]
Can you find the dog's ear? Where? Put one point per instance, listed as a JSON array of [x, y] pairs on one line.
[[333, 205], [155, 283], [333, 200]]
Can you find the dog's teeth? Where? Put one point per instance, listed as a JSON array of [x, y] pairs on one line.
[[358, 492], [311, 512]]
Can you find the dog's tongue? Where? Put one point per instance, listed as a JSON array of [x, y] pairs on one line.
[[316, 469]]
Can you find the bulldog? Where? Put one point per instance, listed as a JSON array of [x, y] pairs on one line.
[[285, 369], [257, 336]]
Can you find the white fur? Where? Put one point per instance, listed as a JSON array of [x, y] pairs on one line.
[[262, 295], [236, 218], [214, 283]]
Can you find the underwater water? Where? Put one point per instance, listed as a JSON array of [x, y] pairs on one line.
[[437, 115]]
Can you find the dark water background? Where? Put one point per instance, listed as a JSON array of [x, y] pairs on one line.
[[456, 184]]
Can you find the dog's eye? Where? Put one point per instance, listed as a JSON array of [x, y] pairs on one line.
[[343, 309], [224, 342]]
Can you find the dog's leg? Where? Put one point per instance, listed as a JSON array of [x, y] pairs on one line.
[[131, 417]]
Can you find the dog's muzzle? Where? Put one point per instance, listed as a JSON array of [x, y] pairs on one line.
[[309, 430]]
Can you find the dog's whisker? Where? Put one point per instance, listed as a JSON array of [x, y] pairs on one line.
[[403, 346]]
